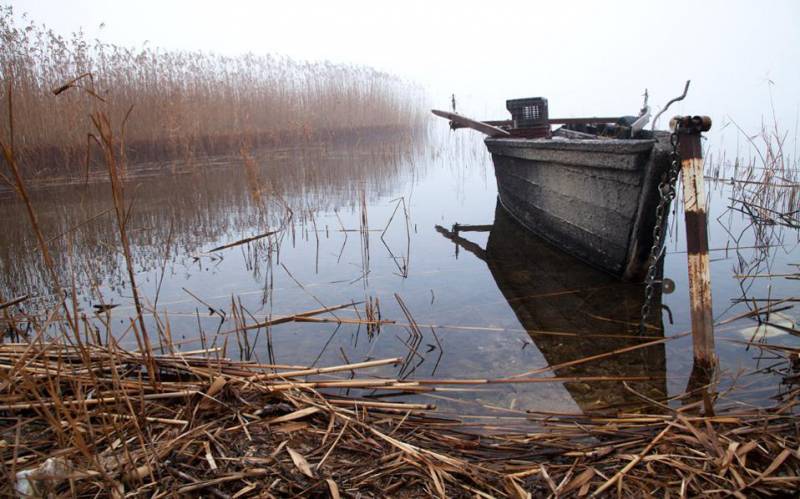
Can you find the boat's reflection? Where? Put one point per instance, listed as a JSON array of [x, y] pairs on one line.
[[572, 311]]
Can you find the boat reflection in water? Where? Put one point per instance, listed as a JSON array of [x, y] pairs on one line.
[[552, 292]]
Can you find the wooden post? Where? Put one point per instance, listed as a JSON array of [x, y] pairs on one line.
[[689, 129]]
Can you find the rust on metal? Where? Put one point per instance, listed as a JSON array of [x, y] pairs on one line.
[[696, 220], [690, 124], [689, 129]]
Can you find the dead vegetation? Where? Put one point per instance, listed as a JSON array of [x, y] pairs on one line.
[[184, 105], [81, 418], [762, 220]]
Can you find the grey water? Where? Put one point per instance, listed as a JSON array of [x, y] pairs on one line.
[[373, 224]]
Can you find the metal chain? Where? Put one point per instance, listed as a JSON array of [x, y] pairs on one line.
[[666, 190]]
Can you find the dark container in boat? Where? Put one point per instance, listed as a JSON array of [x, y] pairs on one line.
[[529, 117]]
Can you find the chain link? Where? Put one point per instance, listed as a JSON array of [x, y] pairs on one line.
[[666, 191]]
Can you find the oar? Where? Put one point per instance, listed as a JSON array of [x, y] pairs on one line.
[[463, 121]]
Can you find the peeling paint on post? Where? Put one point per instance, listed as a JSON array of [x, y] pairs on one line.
[[689, 129]]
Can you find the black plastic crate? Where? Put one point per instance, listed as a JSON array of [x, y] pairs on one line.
[[528, 113]]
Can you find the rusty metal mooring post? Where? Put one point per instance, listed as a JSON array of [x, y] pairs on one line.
[[689, 129]]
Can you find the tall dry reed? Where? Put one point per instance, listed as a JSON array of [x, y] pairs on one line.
[[186, 104]]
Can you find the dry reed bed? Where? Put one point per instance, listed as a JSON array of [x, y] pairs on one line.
[[185, 104], [90, 419]]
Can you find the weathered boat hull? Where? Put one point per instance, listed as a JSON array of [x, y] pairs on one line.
[[595, 199]]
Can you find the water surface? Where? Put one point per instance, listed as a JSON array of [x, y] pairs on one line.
[[375, 225]]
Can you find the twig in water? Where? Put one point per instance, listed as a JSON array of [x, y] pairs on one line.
[[242, 241]]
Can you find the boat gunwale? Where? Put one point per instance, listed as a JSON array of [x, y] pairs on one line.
[[618, 146]]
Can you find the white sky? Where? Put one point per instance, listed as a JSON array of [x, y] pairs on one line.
[[586, 57]]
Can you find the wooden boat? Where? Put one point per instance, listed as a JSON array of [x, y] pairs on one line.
[[588, 188], [552, 292]]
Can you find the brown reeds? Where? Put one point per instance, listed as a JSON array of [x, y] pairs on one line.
[[187, 104], [83, 420], [763, 214]]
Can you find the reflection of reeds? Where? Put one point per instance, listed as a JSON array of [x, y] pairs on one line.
[[402, 261], [187, 104], [10, 157], [372, 312], [363, 230], [208, 208], [254, 182]]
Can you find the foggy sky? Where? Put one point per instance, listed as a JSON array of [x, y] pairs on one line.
[[587, 58]]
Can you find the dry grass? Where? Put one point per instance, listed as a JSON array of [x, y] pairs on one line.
[[185, 104], [766, 185], [81, 418], [763, 213]]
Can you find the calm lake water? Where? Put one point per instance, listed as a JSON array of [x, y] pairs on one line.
[[361, 226]]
